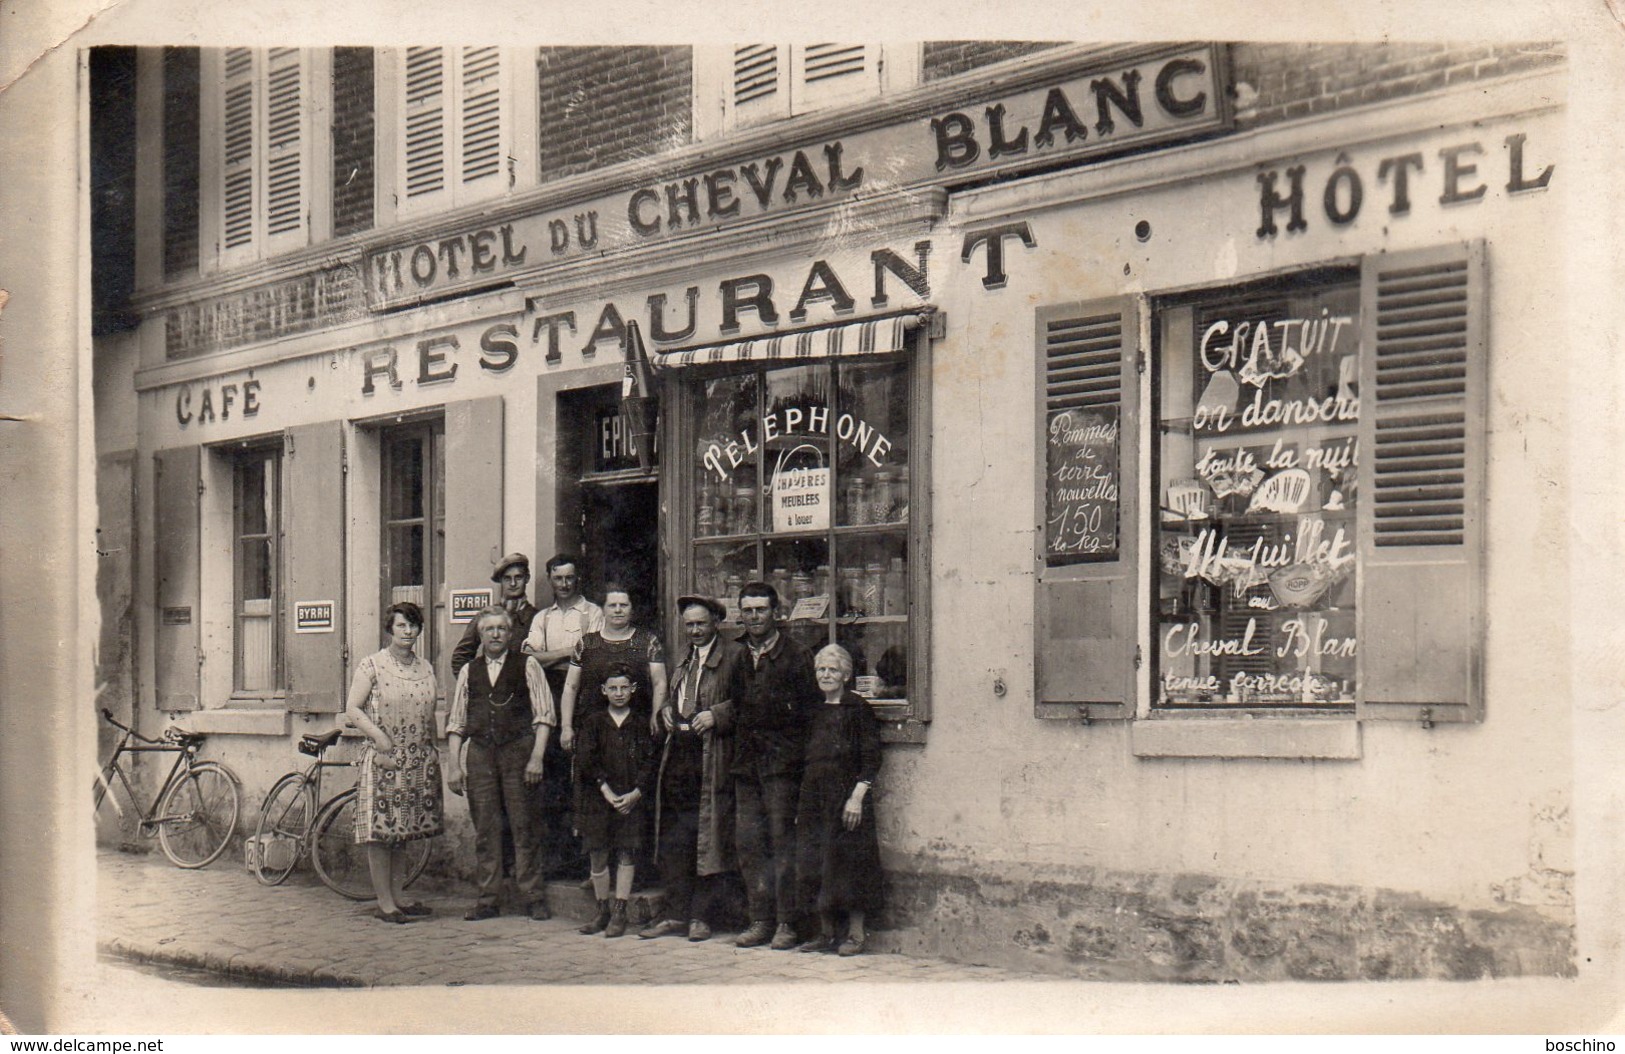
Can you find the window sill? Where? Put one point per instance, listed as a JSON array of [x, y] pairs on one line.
[[241, 722], [1229, 737]]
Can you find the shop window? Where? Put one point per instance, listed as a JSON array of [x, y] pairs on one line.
[[1316, 539], [257, 570], [805, 478], [261, 123], [761, 82], [414, 526], [455, 130]]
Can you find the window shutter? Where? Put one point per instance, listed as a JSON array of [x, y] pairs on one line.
[[1085, 620], [758, 90], [481, 138], [424, 144], [313, 559], [1421, 484], [474, 488], [237, 198], [176, 509], [284, 144], [828, 74]]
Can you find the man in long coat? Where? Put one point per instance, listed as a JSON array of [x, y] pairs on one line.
[[694, 806]]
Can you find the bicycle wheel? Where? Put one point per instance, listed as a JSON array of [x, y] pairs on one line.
[[341, 863], [198, 815], [279, 839]]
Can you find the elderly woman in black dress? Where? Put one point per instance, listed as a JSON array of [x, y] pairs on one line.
[[837, 849]]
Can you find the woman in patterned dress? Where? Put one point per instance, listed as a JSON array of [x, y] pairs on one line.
[[392, 703]]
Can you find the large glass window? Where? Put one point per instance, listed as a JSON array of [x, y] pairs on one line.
[[414, 525], [803, 480], [1257, 420], [257, 570]]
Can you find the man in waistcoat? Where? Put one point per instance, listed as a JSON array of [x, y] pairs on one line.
[[502, 709]]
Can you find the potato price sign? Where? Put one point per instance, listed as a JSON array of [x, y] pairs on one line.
[[1082, 483]]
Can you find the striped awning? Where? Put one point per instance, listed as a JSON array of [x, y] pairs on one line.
[[879, 336]]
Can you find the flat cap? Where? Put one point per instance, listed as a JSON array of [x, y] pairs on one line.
[[511, 560]]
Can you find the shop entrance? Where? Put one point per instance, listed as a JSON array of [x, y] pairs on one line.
[[609, 501], [620, 528]]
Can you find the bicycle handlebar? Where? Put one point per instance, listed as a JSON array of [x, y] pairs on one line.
[[172, 735]]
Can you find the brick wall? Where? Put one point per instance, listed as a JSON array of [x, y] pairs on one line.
[[603, 105], [1279, 82], [352, 140], [944, 58], [181, 93]]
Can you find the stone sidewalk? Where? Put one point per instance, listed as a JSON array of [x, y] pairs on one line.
[[220, 919]]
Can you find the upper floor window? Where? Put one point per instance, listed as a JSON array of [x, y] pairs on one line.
[[454, 129], [748, 84], [257, 570], [260, 116]]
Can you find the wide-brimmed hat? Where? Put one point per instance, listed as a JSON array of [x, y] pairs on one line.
[[511, 560], [715, 607]]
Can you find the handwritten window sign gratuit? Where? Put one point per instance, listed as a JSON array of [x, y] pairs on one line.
[[1082, 483]]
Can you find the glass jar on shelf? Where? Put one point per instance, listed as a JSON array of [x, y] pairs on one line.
[[874, 589], [880, 497], [744, 510], [821, 586], [899, 512], [801, 587], [851, 591], [705, 514], [857, 500], [780, 581], [895, 596]]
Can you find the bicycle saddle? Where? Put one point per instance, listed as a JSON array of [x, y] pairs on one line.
[[314, 745]]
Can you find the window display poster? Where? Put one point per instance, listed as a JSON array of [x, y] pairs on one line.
[[1082, 482], [801, 500]]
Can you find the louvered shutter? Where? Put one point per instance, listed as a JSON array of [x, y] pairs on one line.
[[285, 147], [759, 89], [1421, 489], [237, 144], [176, 510], [425, 108], [1085, 625], [481, 118], [313, 555], [829, 74]]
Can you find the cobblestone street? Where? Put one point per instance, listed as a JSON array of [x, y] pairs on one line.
[[220, 919]]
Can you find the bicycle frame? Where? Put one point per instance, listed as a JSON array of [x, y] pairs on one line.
[[185, 753]]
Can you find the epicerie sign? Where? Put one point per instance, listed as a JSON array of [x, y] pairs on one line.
[[313, 616], [466, 603]]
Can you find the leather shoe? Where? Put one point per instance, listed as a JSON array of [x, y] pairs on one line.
[[757, 934], [663, 928], [539, 911], [397, 917], [784, 938], [698, 930], [851, 946], [821, 943], [480, 912], [416, 911]]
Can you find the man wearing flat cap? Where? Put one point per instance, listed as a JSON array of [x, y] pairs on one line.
[[512, 576], [694, 808]]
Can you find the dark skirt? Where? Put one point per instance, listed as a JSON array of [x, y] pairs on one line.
[[836, 869]]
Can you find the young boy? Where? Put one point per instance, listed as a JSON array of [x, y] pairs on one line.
[[617, 756]]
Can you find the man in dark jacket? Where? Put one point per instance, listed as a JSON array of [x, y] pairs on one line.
[[773, 692], [694, 803], [512, 575]]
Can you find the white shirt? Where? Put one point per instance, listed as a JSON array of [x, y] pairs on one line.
[[682, 682], [555, 627]]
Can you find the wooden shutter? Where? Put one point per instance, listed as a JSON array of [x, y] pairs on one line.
[[474, 490], [758, 88], [237, 143], [480, 128], [313, 558], [176, 509], [829, 74], [426, 132], [1421, 484], [1085, 624], [285, 146]]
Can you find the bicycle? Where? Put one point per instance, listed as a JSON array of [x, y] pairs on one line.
[[290, 826], [194, 813]]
